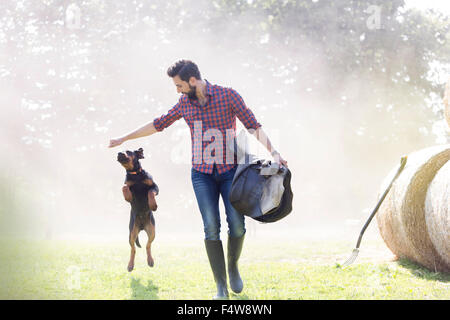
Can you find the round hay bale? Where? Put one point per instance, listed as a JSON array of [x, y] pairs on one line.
[[437, 207], [401, 217]]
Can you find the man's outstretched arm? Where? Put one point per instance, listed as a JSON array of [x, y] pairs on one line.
[[144, 131], [150, 128]]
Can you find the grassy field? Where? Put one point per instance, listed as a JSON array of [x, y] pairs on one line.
[[278, 270]]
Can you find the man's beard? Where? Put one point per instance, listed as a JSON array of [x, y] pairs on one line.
[[192, 93]]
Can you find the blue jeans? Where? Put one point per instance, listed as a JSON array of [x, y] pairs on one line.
[[207, 188]]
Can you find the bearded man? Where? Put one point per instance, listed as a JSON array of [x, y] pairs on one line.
[[210, 111]]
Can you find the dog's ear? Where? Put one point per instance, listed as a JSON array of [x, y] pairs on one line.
[[140, 153]]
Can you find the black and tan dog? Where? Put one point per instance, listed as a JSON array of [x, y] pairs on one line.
[[140, 191]]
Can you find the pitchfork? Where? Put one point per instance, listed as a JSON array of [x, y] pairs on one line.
[[355, 252]]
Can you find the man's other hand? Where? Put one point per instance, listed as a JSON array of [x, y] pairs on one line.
[[278, 159]]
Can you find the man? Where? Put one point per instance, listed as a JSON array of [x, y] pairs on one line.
[[210, 111]]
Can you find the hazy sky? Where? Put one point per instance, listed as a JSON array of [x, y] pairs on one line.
[[106, 93], [441, 5]]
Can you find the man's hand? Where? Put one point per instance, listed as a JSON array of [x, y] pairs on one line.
[[144, 131], [115, 142], [278, 159]]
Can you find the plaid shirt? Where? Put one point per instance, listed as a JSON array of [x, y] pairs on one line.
[[212, 126]]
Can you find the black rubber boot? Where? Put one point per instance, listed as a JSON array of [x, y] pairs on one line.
[[233, 254], [214, 250]]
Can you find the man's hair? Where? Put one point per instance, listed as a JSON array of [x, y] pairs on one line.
[[185, 69]]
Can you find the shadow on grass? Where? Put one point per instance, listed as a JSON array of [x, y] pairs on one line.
[[141, 292], [235, 296], [423, 272]]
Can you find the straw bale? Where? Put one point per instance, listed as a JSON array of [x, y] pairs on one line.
[[437, 207], [401, 217]]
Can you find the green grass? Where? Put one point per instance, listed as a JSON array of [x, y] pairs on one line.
[[281, 270]]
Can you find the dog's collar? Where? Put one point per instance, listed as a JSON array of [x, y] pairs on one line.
[[135, 172]]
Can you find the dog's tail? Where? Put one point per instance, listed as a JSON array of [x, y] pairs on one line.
[[137, 242]]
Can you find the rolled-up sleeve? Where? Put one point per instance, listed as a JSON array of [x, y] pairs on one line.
[[244, 114], [167, 119]]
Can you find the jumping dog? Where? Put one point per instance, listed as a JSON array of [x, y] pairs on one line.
[[140, 191]]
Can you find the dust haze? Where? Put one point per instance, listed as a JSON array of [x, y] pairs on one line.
[[67, 86]]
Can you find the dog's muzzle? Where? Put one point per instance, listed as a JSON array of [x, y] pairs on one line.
[[122, 157]]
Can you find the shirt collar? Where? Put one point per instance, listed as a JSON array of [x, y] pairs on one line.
[[209, 90]]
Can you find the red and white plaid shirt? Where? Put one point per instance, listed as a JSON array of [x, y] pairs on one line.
[[209, 123]]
